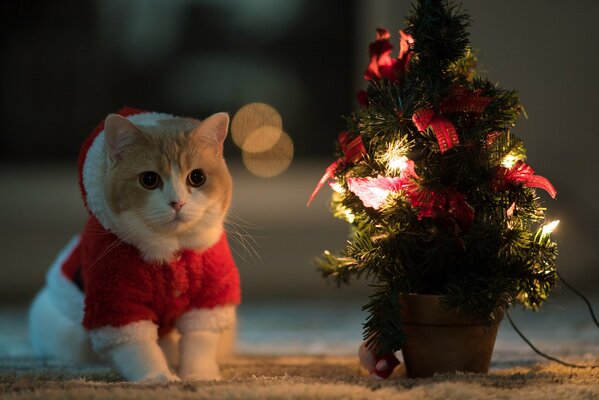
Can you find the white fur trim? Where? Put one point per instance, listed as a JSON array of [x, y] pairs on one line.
[[94, 168], [153, 246], [214, 319], [109, 337], [63, 293]]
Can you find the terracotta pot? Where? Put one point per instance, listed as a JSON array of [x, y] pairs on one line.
[[443, 341]]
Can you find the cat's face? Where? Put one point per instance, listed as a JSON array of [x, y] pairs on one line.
[[167, 182]]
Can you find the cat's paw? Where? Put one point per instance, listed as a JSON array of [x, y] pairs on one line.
[[159, 378]]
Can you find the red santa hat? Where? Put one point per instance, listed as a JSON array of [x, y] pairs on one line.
[[92, 162], [87, 144]]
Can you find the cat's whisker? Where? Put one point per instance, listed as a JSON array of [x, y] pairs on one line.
[[238, 253], [254, 256], [246, 241], [107, 250], [245, 238], [124, 239], [244, 231], [240, 221], [98, 232]]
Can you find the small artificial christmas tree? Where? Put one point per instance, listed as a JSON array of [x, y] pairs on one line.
[[434, 183]]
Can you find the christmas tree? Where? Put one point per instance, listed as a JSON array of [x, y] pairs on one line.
[[435, 184]]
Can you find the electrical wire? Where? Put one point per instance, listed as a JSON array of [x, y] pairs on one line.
[[542, 354], [588, 303], [539, 352]]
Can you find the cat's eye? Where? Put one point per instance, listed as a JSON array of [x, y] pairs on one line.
[[149, 180], [196, 178]]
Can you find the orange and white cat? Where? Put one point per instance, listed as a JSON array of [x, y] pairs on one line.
[[150, 282]]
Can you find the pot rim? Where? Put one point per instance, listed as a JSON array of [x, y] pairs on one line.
[[428, 309]]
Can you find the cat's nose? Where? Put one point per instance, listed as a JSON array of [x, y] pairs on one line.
[[176, 205]]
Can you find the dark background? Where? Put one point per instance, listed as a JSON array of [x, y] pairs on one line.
[[67, 64]]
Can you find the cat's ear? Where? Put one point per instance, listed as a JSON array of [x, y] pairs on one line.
[[213, 130], [119, 133]]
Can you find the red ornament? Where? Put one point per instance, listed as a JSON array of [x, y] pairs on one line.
[[460, 210], [353, 150], [385, 365], [444, 131], [405, 55], [374, 191], [382, 65], [448, 204], [491, 137], [362, 98], [461, 100], [426, 202], [522, 173]]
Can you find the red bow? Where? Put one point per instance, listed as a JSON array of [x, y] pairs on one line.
[[448, 205], [444, 131], [353, 150], [382, 65], [524, 174], [459, 100]]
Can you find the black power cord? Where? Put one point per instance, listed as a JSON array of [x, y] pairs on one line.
[[542, 354], [581, 296]]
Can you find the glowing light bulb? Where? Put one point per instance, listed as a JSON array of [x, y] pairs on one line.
[[336, 187], [550, 227], [349, 216], [397, 163], [395, 156], [509, 161]]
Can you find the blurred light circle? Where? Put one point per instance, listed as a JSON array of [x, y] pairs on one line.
[[262, 139], [251, 117], [272, 162]]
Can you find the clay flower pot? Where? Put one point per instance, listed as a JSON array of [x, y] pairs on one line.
[[443, 341]]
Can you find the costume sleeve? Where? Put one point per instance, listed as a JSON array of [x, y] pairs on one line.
[[220, 278]]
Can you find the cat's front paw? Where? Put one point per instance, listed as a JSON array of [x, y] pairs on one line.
[[159, 378], [203, 373]]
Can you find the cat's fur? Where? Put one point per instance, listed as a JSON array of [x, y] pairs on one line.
[[158, 233]]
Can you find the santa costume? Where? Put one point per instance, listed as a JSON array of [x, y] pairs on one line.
[[100, 281]]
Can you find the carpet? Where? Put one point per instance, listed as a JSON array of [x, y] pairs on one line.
[[306, 351], [298, 377]]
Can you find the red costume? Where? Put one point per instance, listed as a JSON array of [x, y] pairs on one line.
[[120, 287]]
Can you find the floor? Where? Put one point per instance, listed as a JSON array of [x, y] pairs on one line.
[[563, 327], [306, 350]]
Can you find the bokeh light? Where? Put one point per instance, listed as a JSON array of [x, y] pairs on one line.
[[257, 129], [262, 139], [252, 117], [272, 162]]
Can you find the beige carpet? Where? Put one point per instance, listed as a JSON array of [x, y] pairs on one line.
[[298, 377], [322, 338]]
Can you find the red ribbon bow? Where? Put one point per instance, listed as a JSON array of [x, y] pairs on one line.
[[459, 100], [353, 150], [382, 65], [524, 174], [444, 131], [463, 100]]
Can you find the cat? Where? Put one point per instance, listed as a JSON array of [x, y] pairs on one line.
[[150, 283]]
